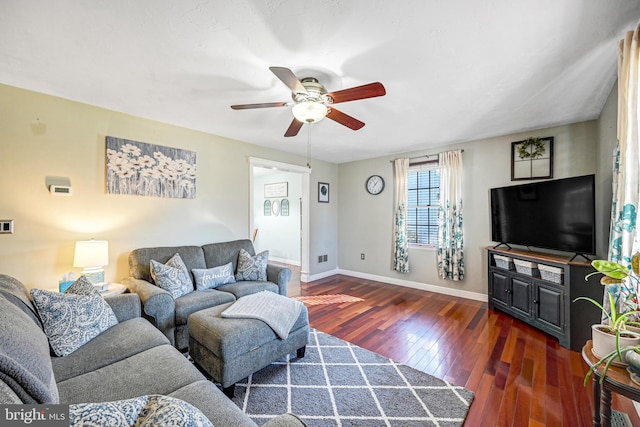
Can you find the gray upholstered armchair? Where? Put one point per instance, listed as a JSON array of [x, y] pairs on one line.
[[169, 314]]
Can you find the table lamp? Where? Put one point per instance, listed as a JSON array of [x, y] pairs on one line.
[[91, 256]]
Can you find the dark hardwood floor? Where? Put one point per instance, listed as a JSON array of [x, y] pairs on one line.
[[520, 376]]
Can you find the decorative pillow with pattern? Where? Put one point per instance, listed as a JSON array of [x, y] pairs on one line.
[[71, 320], [213, 277], [172, 276], [154, 410], [252, 268]]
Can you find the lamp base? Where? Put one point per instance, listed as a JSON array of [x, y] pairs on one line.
[[94, 275]]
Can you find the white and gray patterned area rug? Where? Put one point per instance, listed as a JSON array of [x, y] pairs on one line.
[[340, 384]]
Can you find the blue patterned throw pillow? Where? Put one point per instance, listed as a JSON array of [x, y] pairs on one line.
[[172, 276], [70, 319], [213, 277], [153, 410], [252, 268]]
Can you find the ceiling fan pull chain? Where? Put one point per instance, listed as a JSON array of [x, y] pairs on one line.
[[308, 145]]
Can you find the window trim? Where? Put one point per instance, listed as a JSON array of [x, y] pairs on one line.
[[424, 166]]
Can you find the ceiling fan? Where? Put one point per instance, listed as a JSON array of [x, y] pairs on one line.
[[311, 101]]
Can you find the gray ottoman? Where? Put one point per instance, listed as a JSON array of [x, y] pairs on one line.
[[229, 350]]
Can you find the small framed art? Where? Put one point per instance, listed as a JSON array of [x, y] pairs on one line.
[[532, 159], [323, 192]]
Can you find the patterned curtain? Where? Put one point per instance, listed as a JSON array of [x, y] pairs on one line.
[[400, 243], [450, 253], [623, 242]]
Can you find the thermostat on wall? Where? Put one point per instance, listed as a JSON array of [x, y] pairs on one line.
[[60, 189]]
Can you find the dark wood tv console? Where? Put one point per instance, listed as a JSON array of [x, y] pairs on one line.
[[544, 304]]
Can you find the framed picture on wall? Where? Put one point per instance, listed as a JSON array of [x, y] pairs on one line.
[[323, 192], [532, 159]]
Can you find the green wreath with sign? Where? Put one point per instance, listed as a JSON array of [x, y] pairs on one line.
[[537, 146]]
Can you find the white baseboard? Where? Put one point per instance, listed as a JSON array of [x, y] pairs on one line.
[[285, 261], [307, 278], [400, 282]]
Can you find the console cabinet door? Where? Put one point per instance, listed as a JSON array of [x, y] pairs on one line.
[[549, 306], [521, 296], [499, 283]]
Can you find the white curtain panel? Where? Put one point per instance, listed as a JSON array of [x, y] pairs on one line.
[[623, 239], [400, 243], [450, 254]]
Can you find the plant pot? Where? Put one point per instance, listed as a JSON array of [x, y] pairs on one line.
[[604, 342], [633, 359]]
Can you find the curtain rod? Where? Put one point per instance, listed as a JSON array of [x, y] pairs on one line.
[[422, 157]]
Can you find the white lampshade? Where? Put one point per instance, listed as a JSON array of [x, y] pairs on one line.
[[309, 111], [92, 255]]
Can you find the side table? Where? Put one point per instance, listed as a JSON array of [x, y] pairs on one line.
[[617, 380], [111, 290]]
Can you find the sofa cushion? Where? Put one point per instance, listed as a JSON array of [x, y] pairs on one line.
[[248, 287], [71, 320], [225, 252], [159, 370], [139, 259], [117, 343], [252, 267], [172, 276], [199, 300], [152, 411], [25, 364], [14, 291], [207, 397], [213, 277]]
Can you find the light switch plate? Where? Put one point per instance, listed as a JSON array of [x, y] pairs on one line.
[[6, 226]]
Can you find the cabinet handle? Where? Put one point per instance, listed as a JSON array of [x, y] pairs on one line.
[[535, 301]]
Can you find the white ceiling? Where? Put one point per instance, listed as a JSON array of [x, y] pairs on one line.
[[454, 70]]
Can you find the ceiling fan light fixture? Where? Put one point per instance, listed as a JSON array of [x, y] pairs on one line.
[[309, 111]]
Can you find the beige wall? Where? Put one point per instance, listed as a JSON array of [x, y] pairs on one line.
[[365, 221], [43, 137]]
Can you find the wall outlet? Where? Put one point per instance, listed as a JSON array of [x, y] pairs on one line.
[[324, 258], [362, 257], [319, 258], [6, 226]]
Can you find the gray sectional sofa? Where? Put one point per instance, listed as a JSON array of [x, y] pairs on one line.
[[128, 360], [170, 315]]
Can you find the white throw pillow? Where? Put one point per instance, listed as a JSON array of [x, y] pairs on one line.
[[153, 410], [70, 319], [252, 268], [210, 278], [172, 276]]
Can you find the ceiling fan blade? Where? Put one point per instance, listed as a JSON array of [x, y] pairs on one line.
[[370, 90], [263, 105], [294, 128], [344, 119], [288, 78]]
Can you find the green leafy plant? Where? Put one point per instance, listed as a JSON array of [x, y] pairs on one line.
[[618, 274], [617, 321], [614, 273], [538, 148]]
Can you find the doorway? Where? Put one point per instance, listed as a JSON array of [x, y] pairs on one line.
[[271, 185]]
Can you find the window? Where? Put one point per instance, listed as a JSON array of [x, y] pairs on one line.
[[423, 189]]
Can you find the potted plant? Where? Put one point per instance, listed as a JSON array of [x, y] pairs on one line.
[[619, 333], [609, 336]]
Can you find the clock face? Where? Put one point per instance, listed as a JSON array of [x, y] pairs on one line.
[[375, 184]]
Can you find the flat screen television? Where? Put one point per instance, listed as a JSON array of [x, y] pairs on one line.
[[557, 214]]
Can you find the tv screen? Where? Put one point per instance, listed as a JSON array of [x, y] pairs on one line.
[[557, 214]]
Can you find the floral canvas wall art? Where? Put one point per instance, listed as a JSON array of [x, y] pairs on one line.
[[142, 169]]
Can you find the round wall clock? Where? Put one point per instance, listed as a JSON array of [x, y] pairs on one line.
[[374, 184]]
